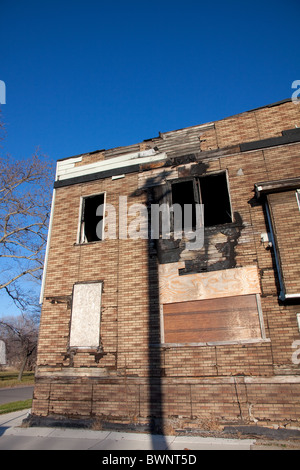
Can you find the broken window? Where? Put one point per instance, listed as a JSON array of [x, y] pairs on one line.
[[282, 204], [92, 215], [86, 315], [284, 220], [209, 190]]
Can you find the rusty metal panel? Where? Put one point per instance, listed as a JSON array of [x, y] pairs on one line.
[[227, 319]]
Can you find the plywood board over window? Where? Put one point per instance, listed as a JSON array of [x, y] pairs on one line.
[[86, 315], [211, 285], [213, 320]]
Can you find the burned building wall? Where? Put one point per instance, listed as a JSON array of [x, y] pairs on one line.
[[170, 349]]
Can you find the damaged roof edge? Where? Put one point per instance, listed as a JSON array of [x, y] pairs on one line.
[[209, 124], [267, 187], [80, 155], [272, 105]]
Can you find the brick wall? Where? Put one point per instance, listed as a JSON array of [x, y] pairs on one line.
[[135, 378]]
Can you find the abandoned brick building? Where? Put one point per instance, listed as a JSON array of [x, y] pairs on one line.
[[142, 329]]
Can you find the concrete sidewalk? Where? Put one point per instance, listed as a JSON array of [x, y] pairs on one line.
[[14, 437]]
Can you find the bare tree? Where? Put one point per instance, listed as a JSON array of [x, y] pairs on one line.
[[20, 335], [25, 199]]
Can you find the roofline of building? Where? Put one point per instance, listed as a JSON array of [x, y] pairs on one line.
[[277, 103]]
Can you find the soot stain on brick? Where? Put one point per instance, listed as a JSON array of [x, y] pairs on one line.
[[218, 252], [220, 241]]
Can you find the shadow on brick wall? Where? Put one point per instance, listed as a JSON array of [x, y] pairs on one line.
[[155, 365]]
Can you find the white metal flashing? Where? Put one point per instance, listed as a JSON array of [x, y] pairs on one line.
[[66, 169], [47, 247], [292, 296]]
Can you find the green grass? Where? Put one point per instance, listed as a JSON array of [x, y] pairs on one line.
[[15, 406], [10, 379]]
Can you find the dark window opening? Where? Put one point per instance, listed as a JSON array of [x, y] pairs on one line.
[[211, 191], [92, 219], [215, 197], [182, 194]]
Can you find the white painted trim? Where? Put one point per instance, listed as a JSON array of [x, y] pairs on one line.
[[66, 165], [298, 197], [79, 226], [162, 324], [47, 247], [107, 165], [229, 193], [261, 318], [117, 177], [69, 162], [292, 296]]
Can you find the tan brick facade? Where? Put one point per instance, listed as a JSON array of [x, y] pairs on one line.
[[134, 377]]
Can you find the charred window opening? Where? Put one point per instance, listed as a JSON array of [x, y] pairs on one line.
[[92, 215], [215, 197], [211, 191], [183, 194]]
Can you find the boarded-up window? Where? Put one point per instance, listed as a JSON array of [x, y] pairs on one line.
[[224, 319], [284, 218], [86, 313]]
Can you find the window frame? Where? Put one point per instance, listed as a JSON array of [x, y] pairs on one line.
[[283, 295], [80, 239], [196, 180], [298, 197]]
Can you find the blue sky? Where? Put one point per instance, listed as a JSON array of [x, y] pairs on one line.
[[87, 75]]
